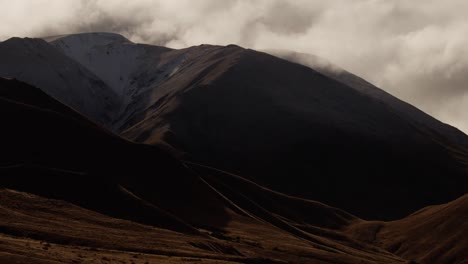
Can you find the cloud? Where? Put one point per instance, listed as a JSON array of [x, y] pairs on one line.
[[416, 50]]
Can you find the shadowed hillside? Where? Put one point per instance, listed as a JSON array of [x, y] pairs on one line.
[[216, 154], [50, 151], [292, 129]]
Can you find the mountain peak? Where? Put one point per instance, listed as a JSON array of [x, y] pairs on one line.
[[17, 41], [100, 38]]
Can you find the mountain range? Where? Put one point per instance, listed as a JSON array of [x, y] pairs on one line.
[[117, 151]]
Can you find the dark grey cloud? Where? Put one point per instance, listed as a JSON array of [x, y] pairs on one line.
[[416, 50]]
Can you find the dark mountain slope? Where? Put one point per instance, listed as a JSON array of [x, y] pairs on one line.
[[283, 125], [317, 134], [441, 131], [265, 118], [295, 130], [49, 152]]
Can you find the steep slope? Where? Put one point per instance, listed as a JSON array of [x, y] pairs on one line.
[[440, 130], [135, 71], [436, 234], [129, 69], [297, 131], [36, 62], [49, 151], [309, 133], [110, 56]]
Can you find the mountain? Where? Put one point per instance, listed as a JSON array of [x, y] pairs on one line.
[[63, 202], [216, 155], [56, 186], [295, 129], [38, 63]]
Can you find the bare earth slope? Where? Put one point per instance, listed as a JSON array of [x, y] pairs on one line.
[[436, 234]]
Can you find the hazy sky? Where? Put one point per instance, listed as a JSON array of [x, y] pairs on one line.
[[416, 50]]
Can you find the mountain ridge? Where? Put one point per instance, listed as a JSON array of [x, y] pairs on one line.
[[217, 154], [171, 198], [243, 111]]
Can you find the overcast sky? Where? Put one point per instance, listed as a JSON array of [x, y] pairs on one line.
[[416, 50]]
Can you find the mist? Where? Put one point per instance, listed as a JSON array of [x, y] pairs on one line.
[[415, 50]]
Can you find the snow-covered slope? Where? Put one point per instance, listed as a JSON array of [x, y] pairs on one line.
[[130, 69], [110, 56], [38, 63]]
